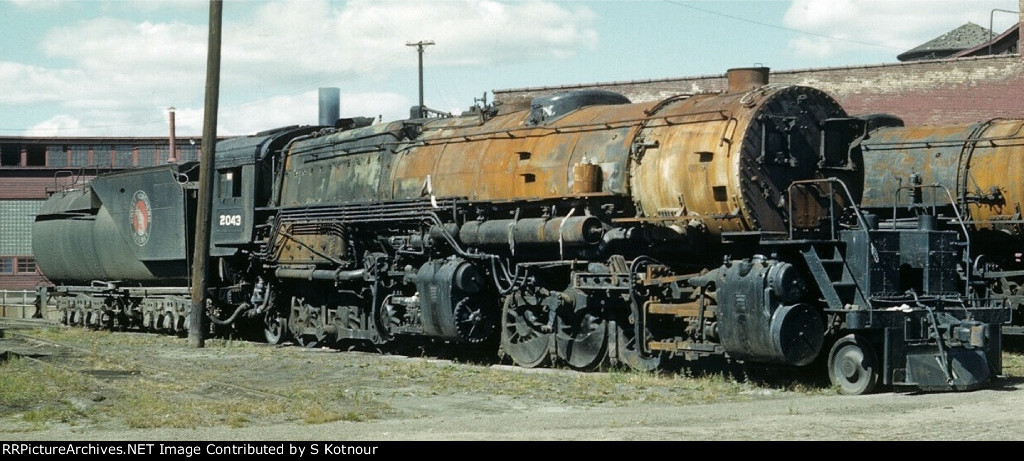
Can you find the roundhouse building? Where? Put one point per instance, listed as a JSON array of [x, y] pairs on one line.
[[965, 75]]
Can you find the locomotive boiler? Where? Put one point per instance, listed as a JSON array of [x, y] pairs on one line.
[[971, 175], [584, 231]]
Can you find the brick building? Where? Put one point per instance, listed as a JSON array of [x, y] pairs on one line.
[[30, 167], [967, 84]]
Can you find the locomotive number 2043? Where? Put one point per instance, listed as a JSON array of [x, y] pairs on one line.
[[230, 220]]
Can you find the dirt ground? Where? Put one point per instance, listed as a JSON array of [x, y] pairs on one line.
[[431, 399]]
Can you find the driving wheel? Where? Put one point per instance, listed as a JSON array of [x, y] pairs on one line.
[[525, 330]]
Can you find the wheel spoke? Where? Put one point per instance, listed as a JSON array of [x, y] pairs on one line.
[[582, 340], [525, 336], [628, 352], [275, 328]]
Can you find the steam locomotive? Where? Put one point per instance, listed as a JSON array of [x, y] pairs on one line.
[[583, 231], [963, 175]]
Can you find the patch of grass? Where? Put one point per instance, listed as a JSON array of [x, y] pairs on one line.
[[39, 392], [334, 402], [137, 394], [566, 387], [1013, 364]]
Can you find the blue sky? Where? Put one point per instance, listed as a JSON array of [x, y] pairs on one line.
[[114, 67]]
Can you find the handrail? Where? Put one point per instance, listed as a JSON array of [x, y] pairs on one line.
[[27, 298], [862, 223], [857, 211]]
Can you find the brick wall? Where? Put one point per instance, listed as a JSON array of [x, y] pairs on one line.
[[925, 92], [930, 92]]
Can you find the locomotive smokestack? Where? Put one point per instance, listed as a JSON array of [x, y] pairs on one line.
[[746, 78], [330, 106]]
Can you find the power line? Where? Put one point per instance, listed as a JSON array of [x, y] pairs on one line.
[[773, 26]]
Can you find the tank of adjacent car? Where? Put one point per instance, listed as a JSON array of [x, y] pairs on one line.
[[978, 163]]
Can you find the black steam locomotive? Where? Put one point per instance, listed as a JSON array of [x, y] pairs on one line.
[[583, 230]]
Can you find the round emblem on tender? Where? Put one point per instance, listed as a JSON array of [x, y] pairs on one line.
[[140, 218]]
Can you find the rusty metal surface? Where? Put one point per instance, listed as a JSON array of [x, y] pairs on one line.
[[707, 163], [893, 154], [344, 167], [996, 163], [980, 164], [698, 160], [506, 158]]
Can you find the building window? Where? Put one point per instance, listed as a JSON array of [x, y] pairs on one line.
[[80, 154], [26, 265], [6, 265], [10, 154], [36, 156], [188, 152], [56, 156], [124, 156], [147, 155]]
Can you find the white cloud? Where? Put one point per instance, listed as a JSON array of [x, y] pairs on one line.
[[274, 59], [109, 43], [36, 4], [812, 47], [27, 84], [59, 125], [372, 36], [840, 26]]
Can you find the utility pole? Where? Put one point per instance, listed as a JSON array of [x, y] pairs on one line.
[[419, 48], [201, 254]]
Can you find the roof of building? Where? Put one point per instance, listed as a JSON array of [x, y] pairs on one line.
[[966, 36], [1006, 42]]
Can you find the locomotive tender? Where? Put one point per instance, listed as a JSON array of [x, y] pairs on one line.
[[910, 170], [584, 230]]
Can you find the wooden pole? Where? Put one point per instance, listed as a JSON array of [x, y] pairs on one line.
[[419, 49], [200, 261]]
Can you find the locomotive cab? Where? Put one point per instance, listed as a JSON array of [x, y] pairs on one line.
[[243, 181]]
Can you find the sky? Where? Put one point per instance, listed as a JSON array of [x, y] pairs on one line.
[[116, 67]]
